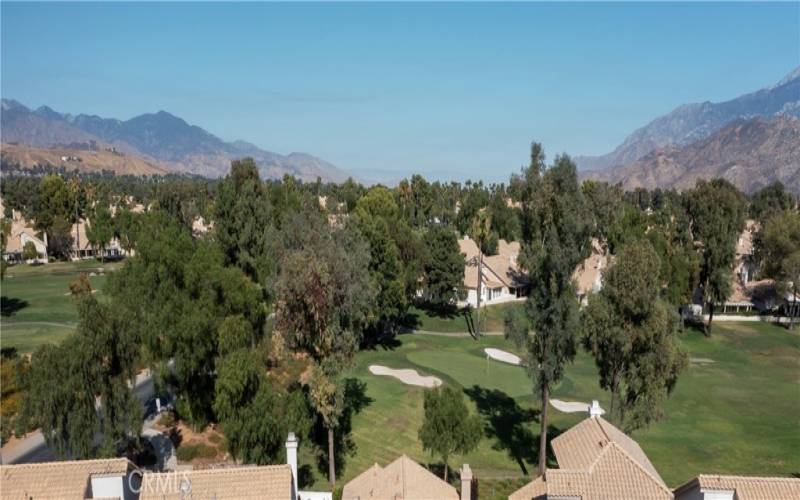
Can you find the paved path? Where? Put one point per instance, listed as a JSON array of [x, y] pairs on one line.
[[33, 448], [455, 334]]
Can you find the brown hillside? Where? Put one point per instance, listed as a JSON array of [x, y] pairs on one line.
[[85, 160]]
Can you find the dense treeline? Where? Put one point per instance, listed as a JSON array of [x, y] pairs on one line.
[[254, 324]]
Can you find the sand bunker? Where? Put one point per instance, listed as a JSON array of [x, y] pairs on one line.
[[410, 377], [571, 406], [505, 357], [701, 361]]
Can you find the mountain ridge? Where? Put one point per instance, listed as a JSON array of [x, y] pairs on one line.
[[160, 137], [750, 153], [692, 122]]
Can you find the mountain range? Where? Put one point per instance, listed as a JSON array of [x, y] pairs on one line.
[[160, 138], [754, 133], [749, 153]]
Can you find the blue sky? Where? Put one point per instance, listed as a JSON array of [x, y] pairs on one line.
[[453, 91]]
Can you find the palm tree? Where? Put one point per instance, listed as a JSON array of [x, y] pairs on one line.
[[480, 231]]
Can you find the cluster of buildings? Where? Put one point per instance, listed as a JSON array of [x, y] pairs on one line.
[[23, 231], [502, 280], [595, 461]]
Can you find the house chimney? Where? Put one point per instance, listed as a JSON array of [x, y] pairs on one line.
[[291, 460], [595, 410], [466, 482]]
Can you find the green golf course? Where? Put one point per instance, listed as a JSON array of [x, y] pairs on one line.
[[736, 409], [36, 306]]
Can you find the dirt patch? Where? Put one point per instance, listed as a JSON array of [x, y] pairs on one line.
[[199, 448]]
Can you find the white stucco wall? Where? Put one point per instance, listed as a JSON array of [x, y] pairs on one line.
[[109, 487]]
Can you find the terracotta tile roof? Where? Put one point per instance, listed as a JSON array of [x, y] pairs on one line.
[[508, 249], [57, 480], [403, 479], [746, 487], [19, 226], [499, 270], [270, 482], [744, 246], [468, 247], [535, 490], [588, 274], [615, 474], [580, 447]]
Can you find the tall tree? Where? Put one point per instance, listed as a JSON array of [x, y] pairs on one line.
[[5, 233], [447, 426], [717, 212], [325, 296], [606, 207], [173, 296], [96, 363], [100, 230], [255, 412], [778, 249], [555, 240], [243, 218], [630, 332], [376, 214], [481, 232], [444, 267], [770, 200]]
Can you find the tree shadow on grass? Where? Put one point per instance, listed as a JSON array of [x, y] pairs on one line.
[[508, 423], [512, 426], [355, 400], [10, 306]]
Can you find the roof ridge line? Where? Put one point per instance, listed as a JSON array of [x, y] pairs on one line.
[[632, 460], [602, 429]]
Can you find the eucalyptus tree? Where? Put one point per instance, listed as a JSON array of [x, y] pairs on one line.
[[631, 332], [717, 211], [325, 301], [555, 239]]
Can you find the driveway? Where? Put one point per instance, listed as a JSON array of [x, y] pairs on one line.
[[33, 448]]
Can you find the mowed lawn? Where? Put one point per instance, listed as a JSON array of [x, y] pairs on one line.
[[458, 321], [739, 414], [36, 306]]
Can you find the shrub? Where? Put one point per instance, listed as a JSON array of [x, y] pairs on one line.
[[190, 451]]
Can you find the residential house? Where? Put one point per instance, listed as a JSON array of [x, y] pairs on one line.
[[200, 228], [745, 266], [83, 249], [271, 482], [501, 278], [713, 487], [407, 480], [22, 232], [748, 294], [120, 479], [78, 479], [596, 461], [588, 276]]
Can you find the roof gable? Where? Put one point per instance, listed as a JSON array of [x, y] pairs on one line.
[[581, 446], [402, 479]]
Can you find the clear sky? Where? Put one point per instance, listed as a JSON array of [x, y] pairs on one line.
[[453, 91]]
